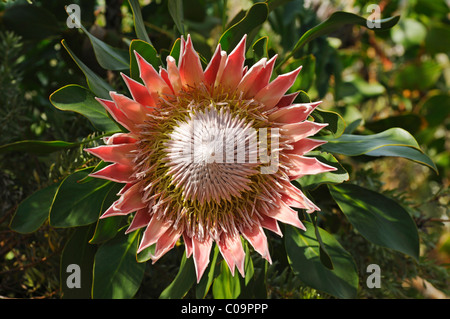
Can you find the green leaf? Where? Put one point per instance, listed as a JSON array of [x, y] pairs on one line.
[[253, 19], [259, 49], [311, 182], [117, 274], [418, 75], [183, 281], [378, 218], [148, 52], [392, 142], [336, 124], [78, 99], [176, 12], [226, 286], [409, 32], [37, 147], [107, 228], [307, 74], [79, 252], [78, 204], [31, 22], [207, 279], [175, 51], [108, 57], [34, 210], [408, 121], [303, 250], [97, 85], [139, 25], [333, 23]]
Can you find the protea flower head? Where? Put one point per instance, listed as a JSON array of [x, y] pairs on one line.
[[210, 154]]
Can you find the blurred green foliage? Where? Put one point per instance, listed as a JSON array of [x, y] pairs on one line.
[[375, 79]]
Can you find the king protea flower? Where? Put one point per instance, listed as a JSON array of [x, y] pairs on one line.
[[210, 154]]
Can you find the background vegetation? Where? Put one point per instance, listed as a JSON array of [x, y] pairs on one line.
[[376, 80]]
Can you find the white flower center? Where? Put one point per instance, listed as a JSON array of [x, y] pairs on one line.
[[211, 155]]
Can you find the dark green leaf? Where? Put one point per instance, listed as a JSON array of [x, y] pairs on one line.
[[139, 25], [107, 228], [418, 76], [97, 85], [108, 57], [303, 250], [183, 281], [147, 51], [336, 124], [176, 12], [253, 19], [117, 274], [378, 218], [392, 142], [34, 210], [37, 147], [78, 251], [78, 204], [335, 177], [32, 22], [333, 23], [259, 49], [78, 99]]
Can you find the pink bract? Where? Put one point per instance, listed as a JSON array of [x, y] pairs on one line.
[[178, 183]]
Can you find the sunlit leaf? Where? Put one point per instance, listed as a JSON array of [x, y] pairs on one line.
[[78, 99], [226, 286], [378, 218], [108, 57], [183, 280]]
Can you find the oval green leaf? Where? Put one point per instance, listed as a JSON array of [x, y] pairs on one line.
[[392, 142], [226, 286], [97, 85], [378, 218], [253, 19], [303, 250], [79, 252], [117, 274], [183, 281], [333, 23], [108, 57], [34, 210], [78, 204], [78, 99], [139, 25]]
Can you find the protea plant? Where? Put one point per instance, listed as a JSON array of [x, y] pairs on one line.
[[210, 154]]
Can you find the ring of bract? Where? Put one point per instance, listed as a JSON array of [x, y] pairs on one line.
[[188, 151]]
